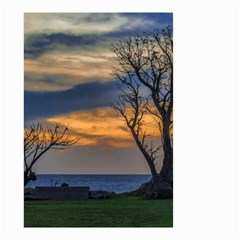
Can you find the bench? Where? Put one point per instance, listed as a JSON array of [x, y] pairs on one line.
[[61, 193]]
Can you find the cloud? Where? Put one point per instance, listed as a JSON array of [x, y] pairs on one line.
[[156, 17], [37, 44], [73, 23], [55, 82], [102, 127], [56, 59], [84, 23], [67, 68], [46, 32], [39, 105], [98, 126]]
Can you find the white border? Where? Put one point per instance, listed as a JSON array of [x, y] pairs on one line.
[[205, 140]]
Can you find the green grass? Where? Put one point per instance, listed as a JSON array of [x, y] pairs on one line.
[[118, 212]]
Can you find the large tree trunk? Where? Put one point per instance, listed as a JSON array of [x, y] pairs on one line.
[[162, 185], [29, 176], [165, 180]]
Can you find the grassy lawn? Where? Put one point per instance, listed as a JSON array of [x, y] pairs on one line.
[[118, 212]]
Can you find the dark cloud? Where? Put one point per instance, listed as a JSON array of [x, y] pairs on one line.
[[84, 96], [37, 44]]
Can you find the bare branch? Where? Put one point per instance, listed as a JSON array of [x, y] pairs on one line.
[[39, 140], [145, 71]]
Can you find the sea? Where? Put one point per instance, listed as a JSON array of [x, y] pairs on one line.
[[117, 183]]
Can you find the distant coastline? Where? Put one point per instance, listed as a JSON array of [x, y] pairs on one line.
[[117, 183]]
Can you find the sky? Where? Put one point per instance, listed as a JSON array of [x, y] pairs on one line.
[[68, 80]]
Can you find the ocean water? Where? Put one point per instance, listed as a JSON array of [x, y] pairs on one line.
[[112, 183]]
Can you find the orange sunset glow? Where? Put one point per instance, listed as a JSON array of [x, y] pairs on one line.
[[101, 127]]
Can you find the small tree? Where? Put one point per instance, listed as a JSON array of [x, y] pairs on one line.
[[38, 140]]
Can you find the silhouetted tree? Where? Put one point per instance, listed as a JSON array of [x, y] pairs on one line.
[[132, 107], [38, 140], [149, 60]]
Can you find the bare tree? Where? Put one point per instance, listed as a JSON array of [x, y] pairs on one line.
[[132, 108], [38, 140], [149, 58]]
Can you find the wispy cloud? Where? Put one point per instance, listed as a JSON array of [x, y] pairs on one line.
[[97, 126], [84, 23], [101, 127], [67, 69]]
